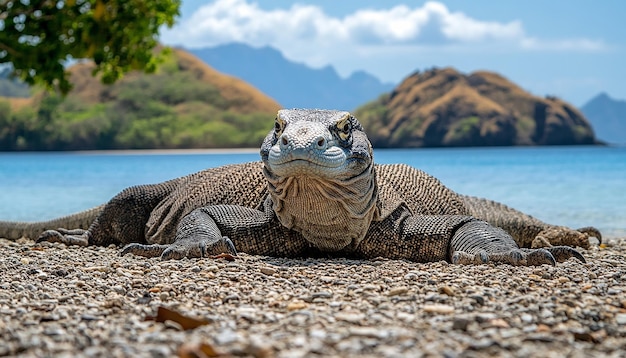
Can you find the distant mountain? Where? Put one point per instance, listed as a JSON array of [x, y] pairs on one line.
[[443, 107], [608, 117], [292, 84]]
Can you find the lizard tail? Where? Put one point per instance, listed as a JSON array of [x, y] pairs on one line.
[[15, 230]]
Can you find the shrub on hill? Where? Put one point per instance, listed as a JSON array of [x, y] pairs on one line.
[[185, 105]]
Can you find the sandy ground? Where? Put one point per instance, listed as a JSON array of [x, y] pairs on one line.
[[73, 301]]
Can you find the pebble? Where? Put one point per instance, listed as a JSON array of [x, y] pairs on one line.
[[446, 290], [322, 294], [499, 323], [480, 300], [445, 309], [59, 301], [372, 332], [352, 317], [296, 305], [398, 291], [268, 270], [526, 318], [460, 323]]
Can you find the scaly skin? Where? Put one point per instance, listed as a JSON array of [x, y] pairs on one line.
[[14, 230], [316, 191]]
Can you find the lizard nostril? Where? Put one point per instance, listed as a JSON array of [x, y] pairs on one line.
[[284, 141], [321, 143]]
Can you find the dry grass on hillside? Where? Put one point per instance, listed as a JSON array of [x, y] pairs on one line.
[[247, 98], [17, 102]]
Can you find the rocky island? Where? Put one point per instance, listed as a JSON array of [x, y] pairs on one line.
[[443, 107]]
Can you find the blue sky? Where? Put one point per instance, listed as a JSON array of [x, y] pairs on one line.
[[573, 49]]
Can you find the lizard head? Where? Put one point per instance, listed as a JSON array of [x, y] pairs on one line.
[[322, 143], [320, 172]]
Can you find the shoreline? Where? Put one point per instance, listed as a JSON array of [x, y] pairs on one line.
[[141, 152], [247, 150]]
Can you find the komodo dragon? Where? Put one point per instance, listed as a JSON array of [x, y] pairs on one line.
[[315, 192]]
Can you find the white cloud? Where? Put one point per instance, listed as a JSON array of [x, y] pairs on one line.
[[240, 20], [305, 33]]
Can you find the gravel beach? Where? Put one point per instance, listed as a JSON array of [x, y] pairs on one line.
[[76, 301]]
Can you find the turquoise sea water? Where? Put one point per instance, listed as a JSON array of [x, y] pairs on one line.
[[572, 186]]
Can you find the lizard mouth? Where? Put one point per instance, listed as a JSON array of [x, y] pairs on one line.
[[300, 162]]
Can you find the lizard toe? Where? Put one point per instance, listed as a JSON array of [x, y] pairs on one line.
[[514, 257], [561, 235], [463, 258], [177, 252], [50, 236], [591, 232], [225, 246], [222, 246], [67, 237], [198, 248], [538, 257], [481, 257], [564, 253], [144, 250]]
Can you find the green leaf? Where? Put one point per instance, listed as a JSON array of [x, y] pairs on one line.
[[119, 35]]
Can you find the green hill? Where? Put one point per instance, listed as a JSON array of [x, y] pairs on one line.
[[442, 107], [186, 104]]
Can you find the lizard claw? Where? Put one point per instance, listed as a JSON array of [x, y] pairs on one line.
[[230, 247], [78, 237]]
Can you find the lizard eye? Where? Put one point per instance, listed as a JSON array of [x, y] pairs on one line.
[[344, 128], [279, 126]]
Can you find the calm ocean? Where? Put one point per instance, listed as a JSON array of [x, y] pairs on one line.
[[572, 186]]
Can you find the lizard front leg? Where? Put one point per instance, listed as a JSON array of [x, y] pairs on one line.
[[402, 235], [477, 242], [212, 230], [454, 238]]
